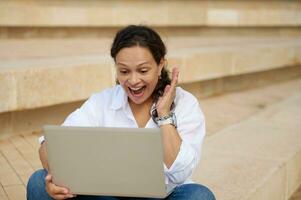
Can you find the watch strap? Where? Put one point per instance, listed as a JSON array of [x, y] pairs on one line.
[[168, 119]]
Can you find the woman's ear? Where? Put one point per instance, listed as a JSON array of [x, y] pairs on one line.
[[162, 63]]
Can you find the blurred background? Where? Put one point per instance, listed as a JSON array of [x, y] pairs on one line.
[[240, 58]]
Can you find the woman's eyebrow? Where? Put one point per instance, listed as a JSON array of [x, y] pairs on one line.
[[145, 62]]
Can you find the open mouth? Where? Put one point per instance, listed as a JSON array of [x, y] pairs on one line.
[[137, 92]]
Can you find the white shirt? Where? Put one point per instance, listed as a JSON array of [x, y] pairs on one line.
[[110, 108]]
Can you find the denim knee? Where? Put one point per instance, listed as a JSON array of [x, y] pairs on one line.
[[36, 186], [201, 192], [191, 192]]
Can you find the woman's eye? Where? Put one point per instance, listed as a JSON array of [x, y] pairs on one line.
[[143, 71], [123, 72]]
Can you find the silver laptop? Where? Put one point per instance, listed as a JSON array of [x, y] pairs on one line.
[[107, 161]]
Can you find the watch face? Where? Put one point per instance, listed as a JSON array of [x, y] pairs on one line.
[[170, 119]]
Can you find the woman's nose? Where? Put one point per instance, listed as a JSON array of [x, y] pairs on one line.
[[133, 79]]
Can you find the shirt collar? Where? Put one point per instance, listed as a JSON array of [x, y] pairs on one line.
[[119, 98]]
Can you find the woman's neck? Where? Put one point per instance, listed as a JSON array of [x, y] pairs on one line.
[[141, 107], [141, 112]]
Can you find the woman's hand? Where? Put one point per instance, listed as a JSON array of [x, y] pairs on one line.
[[56, 192], [165, 101]]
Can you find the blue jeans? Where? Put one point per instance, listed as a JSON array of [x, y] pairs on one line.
[[36, 191]]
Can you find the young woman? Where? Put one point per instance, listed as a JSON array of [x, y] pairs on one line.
[[145, 96]]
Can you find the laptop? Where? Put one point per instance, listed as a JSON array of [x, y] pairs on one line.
[[107, 161]]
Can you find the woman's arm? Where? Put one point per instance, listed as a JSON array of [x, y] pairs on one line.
[[171, 143], [170, 135], [181, 144], [43, 156]]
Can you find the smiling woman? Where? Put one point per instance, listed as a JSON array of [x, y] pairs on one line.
[[137, 73], [145, 97], [151, 48]]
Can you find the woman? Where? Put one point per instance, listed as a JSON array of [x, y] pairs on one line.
[[145, 96]]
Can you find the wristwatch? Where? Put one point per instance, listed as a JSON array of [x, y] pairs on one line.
[[169, 119]]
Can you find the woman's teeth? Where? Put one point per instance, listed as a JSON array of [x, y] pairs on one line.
[[137, 90]]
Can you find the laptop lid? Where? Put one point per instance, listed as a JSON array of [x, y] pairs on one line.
[[107, 161]]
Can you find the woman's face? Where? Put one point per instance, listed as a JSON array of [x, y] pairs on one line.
[[137, 73]]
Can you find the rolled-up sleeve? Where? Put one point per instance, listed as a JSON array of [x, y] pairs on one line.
[[191, 128]]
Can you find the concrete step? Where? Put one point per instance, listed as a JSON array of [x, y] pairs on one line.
[[245, 103], [56, 13], [256, 158], [74, 70]]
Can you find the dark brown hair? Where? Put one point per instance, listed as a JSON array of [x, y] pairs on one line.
[[143, 36]]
